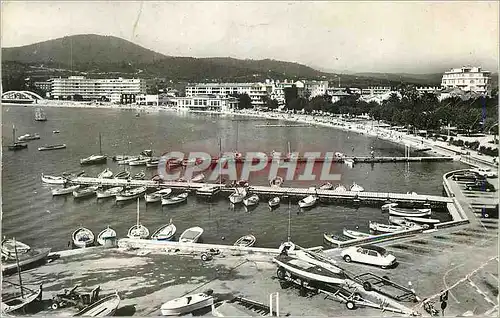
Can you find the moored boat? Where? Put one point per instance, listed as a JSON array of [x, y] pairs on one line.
[[33, 256], [108, 193], [15, 145], [326, 186], [356, 188], [157, 196], [85, 192], [251, 200], [139, 162], [122, 175], [355, 234], [53, 180], [274, 202], [308, 201], [139, 176], [130, 194], [27, 137], [386, 206], [63, 191], [138, 231], [107, 233], [340, 188], [237, 196], [276, 182], [409, 212], [186, 304], [198, 178], [423, 220], [386, 228], [174, 199], [126, 160], [191, 235], [52, 147], [94, 159], [83, 237], [245, 241], [349, 162], [106, 174], [103, 307], [11, 246], [165, 232]]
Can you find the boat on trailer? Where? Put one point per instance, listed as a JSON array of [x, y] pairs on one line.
[[245, 241], [186, 304], [409, 212], [104, 307]]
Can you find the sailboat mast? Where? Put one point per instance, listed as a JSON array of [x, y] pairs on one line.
[[100, 149], [237, 133], [289, 222], [18, 269], [137, 212], [220, 155], [13, 133]]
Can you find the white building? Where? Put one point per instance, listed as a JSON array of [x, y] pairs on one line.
[[256, 91], [315, 88], [432, 90], [278, 90], [376, 90], [467, 78], [92, 89], [205, 103], [143, 99]]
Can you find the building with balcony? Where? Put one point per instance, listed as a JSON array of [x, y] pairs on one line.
[[81, 88], [256, 91], [467, 78], [376, 90], [315, 88], [205, 103]]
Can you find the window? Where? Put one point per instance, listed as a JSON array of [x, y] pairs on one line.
[[373, 253]]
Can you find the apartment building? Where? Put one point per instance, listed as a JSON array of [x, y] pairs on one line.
[[315, 88], [205, 103], [256, 91], [467, 78], [375, 90]]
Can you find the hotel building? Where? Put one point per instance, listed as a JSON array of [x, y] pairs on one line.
[[205, 103], [467, 78], [256, 91]]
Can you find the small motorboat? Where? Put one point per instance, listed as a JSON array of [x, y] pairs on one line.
[[108, 193], [412, 193], [157, 196], [10, 246], [52, 147], [340, 188], [386, 228], [17, 146], [55, 131], [94, 159], [356, 188], [139, 162], [191, 235], [127, 160], [106, 174], [107, 233], [409, 212], [355, 234], [27, 137], [63, 191], [130, 194], [85, 192], [138, 231], [186, 304], [251, 200], [276, 182], [53, 180], [83, 237], [245, 241], [423, 220], [165, 232], [122, 175], [198, 178], [102, 308], [386, 206], [237, 196], [326, 186], [175, 199], [139, 176], [274, 202], [308, 201]]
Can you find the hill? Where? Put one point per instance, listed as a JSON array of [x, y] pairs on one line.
[[432, 79]]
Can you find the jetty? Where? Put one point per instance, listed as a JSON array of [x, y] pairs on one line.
[[207, 189]]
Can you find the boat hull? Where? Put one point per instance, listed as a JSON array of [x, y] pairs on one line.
[[93, 161], [104, 307], [53, 180], [26, 260], [47, 148], [20, 302], [65, 191], [176, 310], [108, 233], [409, 212], [304, 274], [193, 237], [88, 240], [164, 233]]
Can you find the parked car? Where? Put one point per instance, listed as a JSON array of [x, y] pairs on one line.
[[369, 254], [466, 176], [486, 172], [490, 212], [480, 186]]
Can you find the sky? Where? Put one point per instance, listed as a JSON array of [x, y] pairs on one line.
[[399, 36]]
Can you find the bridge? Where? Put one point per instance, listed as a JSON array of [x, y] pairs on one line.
[[21, 97]]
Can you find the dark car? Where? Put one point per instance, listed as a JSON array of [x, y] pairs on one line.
[[490, 212], [481, 186], [467, 176]]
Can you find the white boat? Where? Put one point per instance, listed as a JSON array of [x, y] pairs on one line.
[[27, 137], [386, 228], [138, 231], [356, 188], [386, 206], [102, 308], [412, 193], [85, 192], [349, 162], [130, 194], [93, 159], [165, 232], [63, 191], [52, 147], [157, 196], [308, 201], [122, 175], [107, 233], [198, 178], [191, 235], [251, 200], [276, 182], [153, 163], [175, 199], [274, 202], [423, 220], [186, 304], [108, 193], [127, 161], [53, 180], [83, 237], [10, 247], [409, 212], [355, 234], [139, 176], [340, 188], [106, 174], [139, 162], [246, 241], [237, 196], [326, 186]]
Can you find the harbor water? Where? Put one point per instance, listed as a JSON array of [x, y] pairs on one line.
[[33, 216]]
